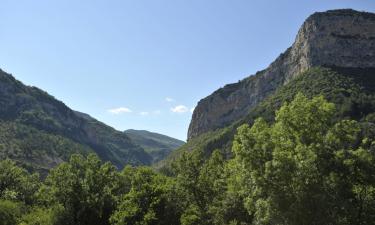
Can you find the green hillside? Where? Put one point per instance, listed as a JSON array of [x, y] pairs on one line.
[[305, 167], [351, 89], [157, 145], [39, 131]]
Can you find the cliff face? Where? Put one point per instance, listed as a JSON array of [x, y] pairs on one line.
[[342, 38]]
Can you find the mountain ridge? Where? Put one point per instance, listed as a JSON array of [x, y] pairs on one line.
[[352, 90], [157, 145], [342, 38], [31, 107]]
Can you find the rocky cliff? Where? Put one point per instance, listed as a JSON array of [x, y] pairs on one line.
[[342, 38]]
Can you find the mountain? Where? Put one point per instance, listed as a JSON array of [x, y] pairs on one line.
[[157, 145], [333, 55], [336, 38], [39, 131]]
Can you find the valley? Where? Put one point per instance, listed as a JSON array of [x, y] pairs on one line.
[[292, 144]]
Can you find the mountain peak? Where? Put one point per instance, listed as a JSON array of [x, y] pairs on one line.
[[335, 38], [343, 12]]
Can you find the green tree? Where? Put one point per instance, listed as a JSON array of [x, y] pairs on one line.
[[43, 216], [9, 212], [86, 189], [149, 201], [16, 183], [201, 185], [304, 169], [230, 209]]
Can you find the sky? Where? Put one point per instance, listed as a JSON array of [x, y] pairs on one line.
[[144, 64]]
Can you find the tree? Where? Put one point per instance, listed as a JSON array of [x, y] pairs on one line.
[[9, 212], [16, 183], [43, 216], [148, 202], [201, 185], [304, 169], [85, 188]]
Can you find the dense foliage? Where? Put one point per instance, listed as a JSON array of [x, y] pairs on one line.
[[305, 167], [352, 90], [34, 149], [40, 131], [157, 145]]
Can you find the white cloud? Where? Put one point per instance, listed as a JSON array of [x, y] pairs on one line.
[[192, 109], [168, 99], [156, 112], [180, 109], [144, 113], [120, 110]]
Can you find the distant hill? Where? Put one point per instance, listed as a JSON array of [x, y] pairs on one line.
[[157, 145], [39, 131]]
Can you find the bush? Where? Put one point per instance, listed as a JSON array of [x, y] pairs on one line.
[[9, 212]]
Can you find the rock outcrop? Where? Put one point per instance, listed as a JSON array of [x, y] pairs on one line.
[[340, 38]]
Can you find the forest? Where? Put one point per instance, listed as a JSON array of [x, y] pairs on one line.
[[305, 167]]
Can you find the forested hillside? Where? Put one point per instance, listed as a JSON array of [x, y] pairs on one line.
[[341, 38], [157, 145], [351, 89], [40, 132], [305, 167], [293, 144]]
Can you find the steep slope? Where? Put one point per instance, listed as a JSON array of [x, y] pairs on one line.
[[157, 145], [341, 38], [351, 89], [41, 131]]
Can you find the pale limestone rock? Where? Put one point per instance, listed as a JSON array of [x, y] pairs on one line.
[[342, 38]]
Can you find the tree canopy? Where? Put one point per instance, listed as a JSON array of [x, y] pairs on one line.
[[306, 167]]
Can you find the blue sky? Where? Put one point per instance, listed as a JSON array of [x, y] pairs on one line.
[[145, 64]]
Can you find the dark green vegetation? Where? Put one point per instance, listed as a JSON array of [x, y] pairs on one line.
[[311, 162], [39, 132], [352, 90], [306, 166], [157, 145]]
